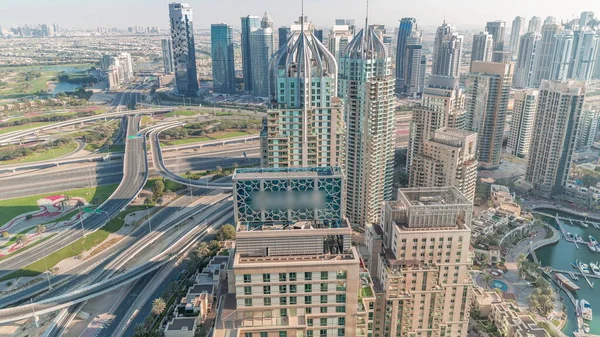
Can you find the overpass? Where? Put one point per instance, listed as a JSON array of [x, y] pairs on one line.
[[109, 283], [16, 135], [135, 175], [159, 164]]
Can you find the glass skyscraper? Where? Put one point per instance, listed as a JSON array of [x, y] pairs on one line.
[[261, 50], [184, 50], [250, 23], [223, 67], [407, 26]]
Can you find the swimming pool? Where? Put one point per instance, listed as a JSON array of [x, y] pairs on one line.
[[496, 284]]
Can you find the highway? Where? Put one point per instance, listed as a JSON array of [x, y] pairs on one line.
[[109, 283], [135, 175]]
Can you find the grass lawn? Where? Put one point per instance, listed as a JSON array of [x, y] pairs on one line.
[[44, 155], [169, 184], [229, 134], [75, 248], [11, 208], [23, 127], [16, 237], [184, 141]]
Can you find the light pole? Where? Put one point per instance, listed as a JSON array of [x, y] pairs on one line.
[[81, 222], [48, 274]]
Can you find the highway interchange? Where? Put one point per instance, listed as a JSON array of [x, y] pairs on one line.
[[132, 171]]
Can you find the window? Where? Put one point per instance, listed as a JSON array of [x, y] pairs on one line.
[[248, 302], [293, 300], [340, 298], [308, 311], [323, 310], [341, 332], [283, 312], [323, 321], [293, 289], [323, 286], [282, 289], [281, 276], [247, 278], [341, 320], [324, 275], [283, 300], [309, 321], [308, 276], [322, 333], [248, 334], [340, 308], [266, 277], [267, 301], [292, 276], [266, 290], [264, 334], [308, 299], [247, 290], [309, 333], [323, 298], [308, 288]]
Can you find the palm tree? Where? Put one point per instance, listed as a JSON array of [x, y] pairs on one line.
[[22, 240], [487, 278], [158, 306], [39, 229]]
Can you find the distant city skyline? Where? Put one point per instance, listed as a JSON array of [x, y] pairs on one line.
[[122, 13]]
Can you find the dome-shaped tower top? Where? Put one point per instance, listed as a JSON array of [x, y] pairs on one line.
[[267, 21], [367, 46]]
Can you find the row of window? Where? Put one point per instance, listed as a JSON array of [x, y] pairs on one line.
[[308, 276], [339, 299], [309, 333], [293, 288]]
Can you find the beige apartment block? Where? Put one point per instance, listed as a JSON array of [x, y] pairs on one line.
[[423, 274]]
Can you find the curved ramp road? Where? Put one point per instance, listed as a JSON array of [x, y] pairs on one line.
[[159, 164], [135, 174]]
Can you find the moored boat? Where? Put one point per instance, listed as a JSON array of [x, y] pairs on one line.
[[566, 282], [593, 240], [592, 247], [578, 238], [586, 309], [570, 236], [595, 268]]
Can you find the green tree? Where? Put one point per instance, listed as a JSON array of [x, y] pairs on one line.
[[487, 279], [226, 232], [158, 306], [22, 240], [158, 189], [219, 170]]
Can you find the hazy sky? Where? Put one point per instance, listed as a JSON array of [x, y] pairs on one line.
[[124, 13]]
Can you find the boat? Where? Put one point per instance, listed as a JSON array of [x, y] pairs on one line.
[[584, 267], [595, 268], [592, 247], [578, 238], [586, 309], [593, 240], [596, 226], [584, 224], [574, 277], [586, 327], [566, 282], [570, 236]]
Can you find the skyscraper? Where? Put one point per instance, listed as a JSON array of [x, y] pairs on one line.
[[339, 37], [585, 51], [596, 73], [423, 276], [319, 34], [523, 118], [497, 29], [589, 126], [284, 34], [562, 53], [366, 85], [447, 51], [488, 88], [303, 129], [443, 105], [535, 25], [584, 18], [549, 20], [544, 55], [184, 48], [483, 45], [407, 27], [528, 48], [518, 26], [223, 67], [261, 50], [167, 52], [294, 271], [557, 125], [250, 23], [415, 64], [448, 159]]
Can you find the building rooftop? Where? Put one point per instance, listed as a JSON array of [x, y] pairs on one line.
[[201, 288], [433, 196], [182, 323], [286, 173]]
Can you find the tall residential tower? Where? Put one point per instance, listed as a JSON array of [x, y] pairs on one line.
[[261, 50], [447, 51], [184, 48], [223, 64]]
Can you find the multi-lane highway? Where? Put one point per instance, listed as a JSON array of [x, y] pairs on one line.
[[135, 170]]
